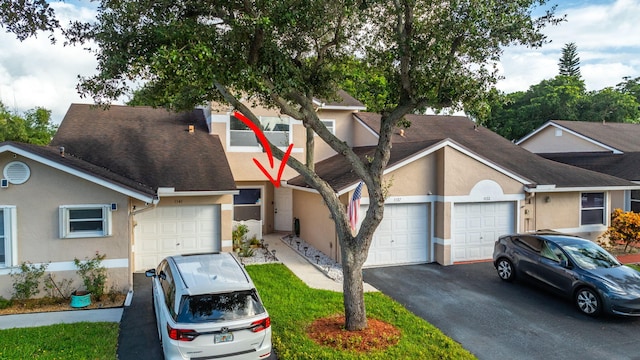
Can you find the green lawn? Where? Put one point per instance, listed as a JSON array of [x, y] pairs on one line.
[[63, 341], [293, 306], [635, 266]]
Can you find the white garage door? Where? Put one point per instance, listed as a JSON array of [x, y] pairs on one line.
[[402, 237], [477, 226], [172, 230]]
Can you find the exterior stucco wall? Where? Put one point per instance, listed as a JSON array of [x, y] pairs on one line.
[[362, 135], [462, 173], [37, 203], [242, 163], [555, 140], [316, 225]]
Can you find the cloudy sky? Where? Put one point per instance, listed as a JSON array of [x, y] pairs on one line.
[[607, 33]]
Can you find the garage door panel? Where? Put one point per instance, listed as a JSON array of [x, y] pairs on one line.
[[174, 230], [402, 237], [477, 226]]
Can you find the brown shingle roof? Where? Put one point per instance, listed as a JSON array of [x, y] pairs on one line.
[[428, 130], [52, 153], [622, 136], [625, 166], [150, 146]]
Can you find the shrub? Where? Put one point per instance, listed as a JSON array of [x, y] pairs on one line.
[[57, 288], [93, 274], [239, 236], [26, 283], [4, 303], [624, 229]]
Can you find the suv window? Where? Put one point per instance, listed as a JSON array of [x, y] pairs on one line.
[[168, 287], [529, 242], [218, 307]]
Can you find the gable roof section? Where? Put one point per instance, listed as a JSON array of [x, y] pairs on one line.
[[427, 131], [50, 156], [625, 166], [616, 137], [153, 147], [344, 102]]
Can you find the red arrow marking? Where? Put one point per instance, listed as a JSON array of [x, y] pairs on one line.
[[259, 134], [267, 148]]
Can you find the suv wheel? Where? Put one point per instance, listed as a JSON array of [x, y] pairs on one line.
[[505, 269]]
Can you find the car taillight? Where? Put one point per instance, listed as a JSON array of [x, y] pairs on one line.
[[181, 334], [260, 325]]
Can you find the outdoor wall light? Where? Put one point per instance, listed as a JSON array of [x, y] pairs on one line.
[[547, 199]]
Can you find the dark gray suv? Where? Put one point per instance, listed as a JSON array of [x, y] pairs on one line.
[[572, 267]]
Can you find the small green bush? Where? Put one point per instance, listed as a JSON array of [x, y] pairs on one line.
[[93, 274], [26, 283], [4, 303]]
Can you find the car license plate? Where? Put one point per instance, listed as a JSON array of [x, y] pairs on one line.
[[223, 338]]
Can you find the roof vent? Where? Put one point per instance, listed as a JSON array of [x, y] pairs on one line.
[[17, 172]]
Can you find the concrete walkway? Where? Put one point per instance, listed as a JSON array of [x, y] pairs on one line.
[[60, 317], [302, 268]]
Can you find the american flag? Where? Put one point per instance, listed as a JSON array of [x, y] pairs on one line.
[[354, 206]]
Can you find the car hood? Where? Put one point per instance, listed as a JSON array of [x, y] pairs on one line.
[[623, 276]]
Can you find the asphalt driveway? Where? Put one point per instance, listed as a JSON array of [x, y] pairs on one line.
[[498, 320]]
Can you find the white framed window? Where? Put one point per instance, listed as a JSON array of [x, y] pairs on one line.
[[8, 236], [330, 125], [592, 208], [276, 130], [635, 201], [247, 204], [79, 221]]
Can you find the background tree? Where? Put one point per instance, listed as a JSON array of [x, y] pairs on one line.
[[569, 61], [515, 115], [33, 127], [285, 53]]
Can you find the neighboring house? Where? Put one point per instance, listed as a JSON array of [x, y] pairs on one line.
[[609, 148], [133, 183], [453, 187]]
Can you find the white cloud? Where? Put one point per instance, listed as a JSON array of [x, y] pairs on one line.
[[607, 36], [36, 73]]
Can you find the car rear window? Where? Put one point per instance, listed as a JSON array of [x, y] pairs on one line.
[[219, 307]]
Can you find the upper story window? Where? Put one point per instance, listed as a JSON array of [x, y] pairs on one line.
[[635, 201], [592, 208], [276, 130], [330, 125], [78, 221]]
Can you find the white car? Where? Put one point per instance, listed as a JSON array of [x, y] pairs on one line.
[[207, 307]]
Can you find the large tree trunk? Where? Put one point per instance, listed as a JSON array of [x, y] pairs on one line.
[[353, 287]]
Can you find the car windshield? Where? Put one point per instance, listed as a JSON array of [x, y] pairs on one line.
[[590, 256], [219, 307]]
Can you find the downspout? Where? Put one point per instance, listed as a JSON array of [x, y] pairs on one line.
[[132, 212]]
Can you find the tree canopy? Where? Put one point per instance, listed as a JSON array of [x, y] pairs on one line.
[[33, 127], [26, 18], [285, 53]]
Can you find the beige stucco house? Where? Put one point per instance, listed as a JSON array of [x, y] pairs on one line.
[[138, 184], [133, 183], [609, 148], [454, 186]]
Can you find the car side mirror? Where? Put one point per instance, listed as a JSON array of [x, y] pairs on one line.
[[150, 273], [564, 263]]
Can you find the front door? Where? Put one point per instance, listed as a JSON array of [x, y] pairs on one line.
[[283, 209]]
